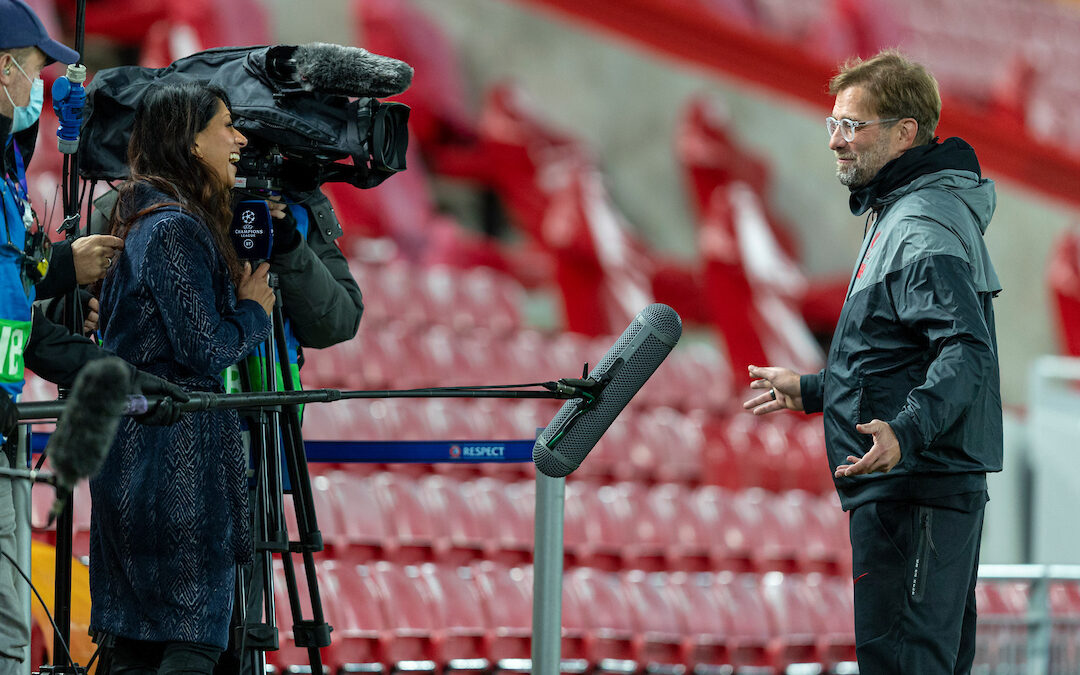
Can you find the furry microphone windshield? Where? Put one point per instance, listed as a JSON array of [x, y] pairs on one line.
[[349, 71], [85, 431]]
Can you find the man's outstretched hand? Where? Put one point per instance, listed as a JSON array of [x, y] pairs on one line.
[[783, 390]]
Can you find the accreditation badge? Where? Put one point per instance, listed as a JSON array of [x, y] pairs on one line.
[[13, 338]]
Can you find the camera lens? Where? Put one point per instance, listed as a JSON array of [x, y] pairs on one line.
[[389, 137]]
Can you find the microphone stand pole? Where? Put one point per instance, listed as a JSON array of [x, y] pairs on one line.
[[49, 410], [64, 524], [20, 498]]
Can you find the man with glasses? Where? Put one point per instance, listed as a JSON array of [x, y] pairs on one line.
[[910, 391]]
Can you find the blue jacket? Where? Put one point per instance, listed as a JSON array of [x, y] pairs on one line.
[[169, 517]]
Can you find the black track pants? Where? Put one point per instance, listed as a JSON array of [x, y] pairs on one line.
[[915, 569]]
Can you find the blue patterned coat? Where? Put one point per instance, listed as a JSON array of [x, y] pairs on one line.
[[169, 517]]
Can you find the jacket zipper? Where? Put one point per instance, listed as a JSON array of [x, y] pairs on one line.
[[926, 542]]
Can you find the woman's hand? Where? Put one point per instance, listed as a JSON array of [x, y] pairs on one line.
[[255, 286]]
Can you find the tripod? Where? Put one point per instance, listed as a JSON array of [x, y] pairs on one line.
[[276, 439]]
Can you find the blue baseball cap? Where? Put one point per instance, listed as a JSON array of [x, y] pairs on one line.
[[20, 27]]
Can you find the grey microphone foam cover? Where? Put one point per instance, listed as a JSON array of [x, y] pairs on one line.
[[641, 349], [350, 71], [86, 430]]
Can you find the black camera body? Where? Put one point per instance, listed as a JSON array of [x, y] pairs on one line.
[[311, 113]]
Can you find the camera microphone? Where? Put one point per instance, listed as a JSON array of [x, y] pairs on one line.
[[349, 71]]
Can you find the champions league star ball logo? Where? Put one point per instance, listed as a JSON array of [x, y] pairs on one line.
[[455, 452], [248, 217]]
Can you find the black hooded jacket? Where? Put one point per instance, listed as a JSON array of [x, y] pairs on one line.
[[915, 344]]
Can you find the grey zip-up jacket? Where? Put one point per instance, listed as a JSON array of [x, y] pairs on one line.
[[915, 344]]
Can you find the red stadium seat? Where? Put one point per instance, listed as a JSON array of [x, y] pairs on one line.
[[678, 443], [1063, 277], [364, 529], [459, 614], [660, 627], [731, 542], [773, 546], [797, 625], [808, 438], [816, 552], [442, 362], [356, 615], [410, 525], [507, 509], [611, 458], [742, 438], [609, 642], [328, 517], [411, 619], [721, 462], [462, 530], [688, 540], [646, 535], [833, 600], [594, 524], [751, 638], [707, 623], [834, 522], [506, 593], [1064, 599], [576, 624], [495, 300]]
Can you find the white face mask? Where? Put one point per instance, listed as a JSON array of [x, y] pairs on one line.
[[23, 117]]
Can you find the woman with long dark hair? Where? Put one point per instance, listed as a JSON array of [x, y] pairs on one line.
[[169, 516]]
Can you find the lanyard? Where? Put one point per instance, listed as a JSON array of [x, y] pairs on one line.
[[20, 171], [22, 198]]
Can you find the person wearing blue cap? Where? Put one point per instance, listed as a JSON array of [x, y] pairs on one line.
[[25, 48]]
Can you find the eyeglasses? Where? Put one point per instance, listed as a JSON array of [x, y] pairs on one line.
[[848, 127]]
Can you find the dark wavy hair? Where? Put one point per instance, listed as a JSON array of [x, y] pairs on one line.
[[161, 154]]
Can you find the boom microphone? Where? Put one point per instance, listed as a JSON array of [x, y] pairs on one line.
[[85, 431], [580, 423], [349, 71]]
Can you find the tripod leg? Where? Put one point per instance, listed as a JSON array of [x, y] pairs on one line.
[[315, 633], [253, 630]]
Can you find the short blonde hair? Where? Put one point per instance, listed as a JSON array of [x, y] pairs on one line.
[[897, 87]]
